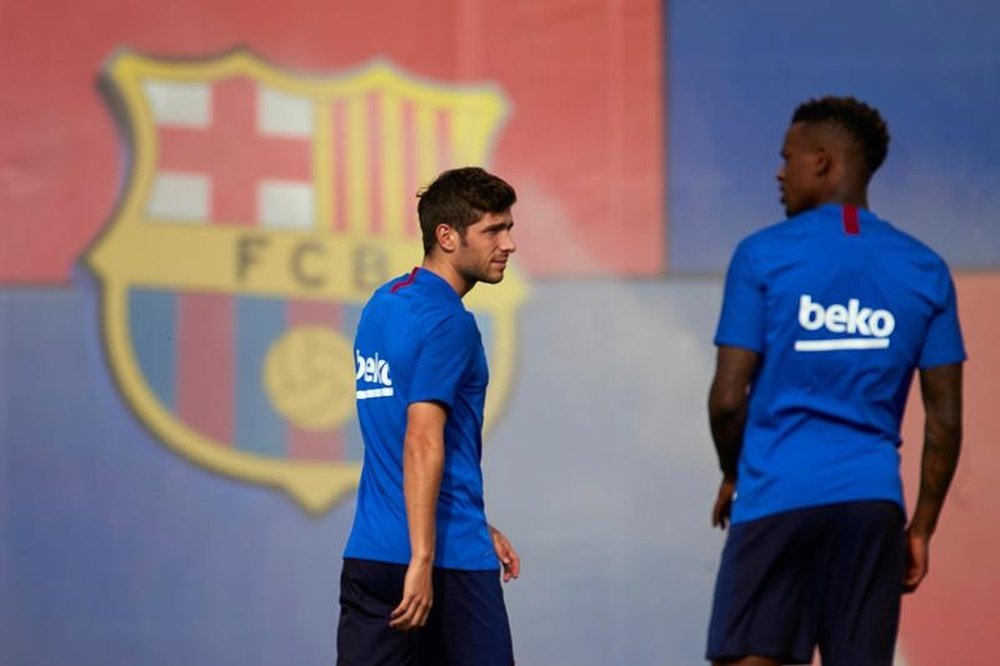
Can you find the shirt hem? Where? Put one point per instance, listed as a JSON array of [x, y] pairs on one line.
[[758, 515]]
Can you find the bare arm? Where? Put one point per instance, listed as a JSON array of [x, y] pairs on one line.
[[423, 466], [509, 559], [727, 413], [941, 389]]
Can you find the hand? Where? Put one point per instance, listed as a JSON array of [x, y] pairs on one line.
[[508, 556], [723, 503], [917, 561], [418, 596]]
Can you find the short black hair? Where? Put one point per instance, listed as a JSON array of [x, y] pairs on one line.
[[460, 198], [861, 121]]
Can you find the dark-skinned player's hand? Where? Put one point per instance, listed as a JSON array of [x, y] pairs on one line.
[[723, 503]]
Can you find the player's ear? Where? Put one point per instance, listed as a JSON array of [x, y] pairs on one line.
[[822, 161], [446, 236]]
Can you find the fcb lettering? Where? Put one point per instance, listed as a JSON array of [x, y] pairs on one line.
[[306, 264]]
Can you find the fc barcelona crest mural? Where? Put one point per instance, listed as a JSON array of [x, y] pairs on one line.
[[260, 209]]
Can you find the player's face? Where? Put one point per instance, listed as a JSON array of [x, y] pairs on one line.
[[486, 247], [798, 176]]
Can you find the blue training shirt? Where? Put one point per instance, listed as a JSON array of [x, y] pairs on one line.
[[842, 307], [416, 342]]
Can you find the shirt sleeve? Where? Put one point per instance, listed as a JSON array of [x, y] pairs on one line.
[[943, 344], [741, 322], [443, 360]]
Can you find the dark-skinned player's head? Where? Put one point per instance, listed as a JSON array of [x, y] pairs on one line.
[[834, 145], [862, 126]]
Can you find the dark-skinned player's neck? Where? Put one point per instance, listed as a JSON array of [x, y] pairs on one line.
[[846, 195], [438, 264]]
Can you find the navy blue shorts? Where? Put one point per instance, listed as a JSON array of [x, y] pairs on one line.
[[828, 577], [467, 625]]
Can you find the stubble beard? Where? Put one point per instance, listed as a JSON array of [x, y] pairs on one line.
[[487, 275]]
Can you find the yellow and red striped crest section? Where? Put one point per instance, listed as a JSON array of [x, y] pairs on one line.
[[262, 208]]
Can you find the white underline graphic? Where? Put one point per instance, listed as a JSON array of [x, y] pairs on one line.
[[375, 393], [841, 343]]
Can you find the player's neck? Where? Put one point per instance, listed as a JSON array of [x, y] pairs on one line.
[[846, 195], [441, 267]]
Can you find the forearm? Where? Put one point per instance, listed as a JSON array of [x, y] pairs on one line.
[[727, 424], [941, 389], [728, 401], [423, 465], [942, 445]]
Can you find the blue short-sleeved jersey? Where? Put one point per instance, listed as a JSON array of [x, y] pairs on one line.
[[416, 342], [842, 307]]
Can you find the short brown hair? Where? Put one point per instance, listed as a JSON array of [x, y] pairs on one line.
[[460, 198]]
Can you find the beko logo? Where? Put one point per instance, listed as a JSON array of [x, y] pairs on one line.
[[869, 327], [373, 370]]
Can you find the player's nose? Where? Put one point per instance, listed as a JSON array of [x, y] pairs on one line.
[[507, 243]]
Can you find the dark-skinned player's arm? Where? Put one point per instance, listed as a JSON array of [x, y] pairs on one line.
[[941, 390], [423, 466], [727, 415]]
